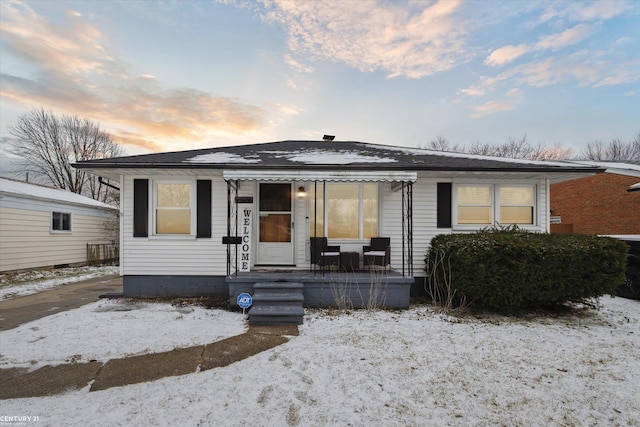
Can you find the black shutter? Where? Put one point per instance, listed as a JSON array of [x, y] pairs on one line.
[[444, 205], [140, 207], [203, 206]]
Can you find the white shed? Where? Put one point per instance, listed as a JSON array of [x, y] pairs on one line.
[[45, 227]]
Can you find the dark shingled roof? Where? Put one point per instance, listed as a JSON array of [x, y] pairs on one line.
[[324, 155]]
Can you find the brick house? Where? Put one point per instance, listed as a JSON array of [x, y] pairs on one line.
[[599, 204]]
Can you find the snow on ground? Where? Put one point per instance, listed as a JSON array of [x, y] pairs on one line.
[[30, 282], [396, 368], [111, 329]]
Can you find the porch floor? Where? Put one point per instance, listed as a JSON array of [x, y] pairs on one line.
[[389, 287]]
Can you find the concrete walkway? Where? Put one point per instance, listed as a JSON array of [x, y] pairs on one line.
[[16, 311], [50, 380]]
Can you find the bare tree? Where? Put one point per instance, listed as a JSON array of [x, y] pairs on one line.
[[440, 143], [520, 149], [48, 144], [615, 150]]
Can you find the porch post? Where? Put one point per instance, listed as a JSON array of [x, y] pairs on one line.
[[403, 226], [236, 209], [315, 225], [410, 226], [407, 228], [228, 228]]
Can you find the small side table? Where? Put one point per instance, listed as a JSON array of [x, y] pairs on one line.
[[350, 261]]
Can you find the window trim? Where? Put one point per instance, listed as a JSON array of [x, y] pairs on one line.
[[192, 207], [495, 204], [491, 205], [62, 230], [325, 213], [534, 201]]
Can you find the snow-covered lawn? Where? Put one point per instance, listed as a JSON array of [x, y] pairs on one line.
[[398, 368], [30, 282], [111, 329]]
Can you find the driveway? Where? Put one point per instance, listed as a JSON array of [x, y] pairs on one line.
[[16, 311]]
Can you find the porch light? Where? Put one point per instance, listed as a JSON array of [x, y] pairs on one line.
[[301, 191]]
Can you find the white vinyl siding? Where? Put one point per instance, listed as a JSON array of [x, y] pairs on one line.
[[190, 256], [26, 239], [174, 255], [425, 217]]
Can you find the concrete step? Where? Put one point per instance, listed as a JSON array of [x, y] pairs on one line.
[[261, 296], [277, 303]]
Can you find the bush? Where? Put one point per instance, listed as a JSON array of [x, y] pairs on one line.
[[510, 270]]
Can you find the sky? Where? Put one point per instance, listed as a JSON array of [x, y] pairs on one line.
[[179, 75]]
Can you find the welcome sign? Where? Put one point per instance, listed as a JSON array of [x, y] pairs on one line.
[[246, 212]]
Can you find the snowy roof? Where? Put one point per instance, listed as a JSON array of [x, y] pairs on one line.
[[634, 187], [9, 186], [335, 155], [620, 168]]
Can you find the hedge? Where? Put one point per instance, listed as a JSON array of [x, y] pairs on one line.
[[510, 270]]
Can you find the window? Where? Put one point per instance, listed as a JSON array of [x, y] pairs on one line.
[[173, 203], [351, 211], [516, 205], [474, 204], [495, 204], [60, 221]]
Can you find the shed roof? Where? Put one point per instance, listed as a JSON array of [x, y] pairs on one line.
[[619, 168], [35, 191]]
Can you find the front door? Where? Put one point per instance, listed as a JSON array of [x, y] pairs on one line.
[[275, 242]]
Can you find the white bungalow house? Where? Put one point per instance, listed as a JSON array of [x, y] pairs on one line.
[[212, 221], [46, 227]]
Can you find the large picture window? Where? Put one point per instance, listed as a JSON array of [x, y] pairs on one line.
[[495, 204], [173, 206], [351, 211]]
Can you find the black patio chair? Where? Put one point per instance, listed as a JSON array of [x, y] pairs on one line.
[[377, 253], [324, 255]]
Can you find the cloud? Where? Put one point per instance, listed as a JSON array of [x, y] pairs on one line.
[[414, 40], [568, 37], [297, 65], [513, 98], [585, 10], [73, 71], [506, 54], [558, 57], [492, 107]]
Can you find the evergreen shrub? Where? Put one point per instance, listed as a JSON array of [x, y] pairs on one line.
[[509, 270]]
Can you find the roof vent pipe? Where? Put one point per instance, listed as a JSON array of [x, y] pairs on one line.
[[328, 137]]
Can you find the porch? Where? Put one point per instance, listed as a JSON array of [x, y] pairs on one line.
[[331, 288]]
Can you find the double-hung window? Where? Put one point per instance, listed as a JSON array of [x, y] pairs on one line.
[[173, 208], [490, 204], [475, 204], [346, 211], [60, 221], [516, 205]]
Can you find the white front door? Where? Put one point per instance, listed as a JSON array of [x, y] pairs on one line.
[[275, 216]]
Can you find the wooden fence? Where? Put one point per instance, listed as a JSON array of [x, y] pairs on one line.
[[561, 228], [103, 253]]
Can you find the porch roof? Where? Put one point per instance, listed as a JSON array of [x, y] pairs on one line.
[[319, 175]]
